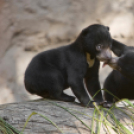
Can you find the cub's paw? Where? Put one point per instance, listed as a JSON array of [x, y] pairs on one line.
[[106, 104], [90, 104]]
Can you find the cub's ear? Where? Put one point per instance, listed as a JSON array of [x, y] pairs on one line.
[[118, 48], [85, 32], [107, 28]]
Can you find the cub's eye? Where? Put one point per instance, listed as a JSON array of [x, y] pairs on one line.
[[99, 47]]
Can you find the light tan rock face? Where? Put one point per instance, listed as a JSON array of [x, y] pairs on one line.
[[30, 26]]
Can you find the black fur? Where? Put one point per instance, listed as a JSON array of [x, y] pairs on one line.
[[121, 81], [50, 72]]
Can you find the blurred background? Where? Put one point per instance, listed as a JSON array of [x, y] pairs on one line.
[[28, 27]]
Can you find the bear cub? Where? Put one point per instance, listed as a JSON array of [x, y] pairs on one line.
[[120, 81], [51, 72]]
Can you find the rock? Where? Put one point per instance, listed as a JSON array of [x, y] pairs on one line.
[[70, 122]]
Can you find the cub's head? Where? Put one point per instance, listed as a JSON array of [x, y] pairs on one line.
[[125, 60], [123, 64], [96, 41]]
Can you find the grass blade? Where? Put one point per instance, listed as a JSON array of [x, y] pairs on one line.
[[7, 128], [92, 125], [118, 124], [111, 94], [128, 102], [100, 123], [34, 113], [71, 114]]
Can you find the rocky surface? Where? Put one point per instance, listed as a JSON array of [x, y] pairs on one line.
[[69, 117], [28, 27]]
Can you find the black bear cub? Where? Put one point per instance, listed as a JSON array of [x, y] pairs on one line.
[[51, 72], [120, 81]]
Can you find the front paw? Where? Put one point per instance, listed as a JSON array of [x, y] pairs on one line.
[[106, 104], [91, 104]]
